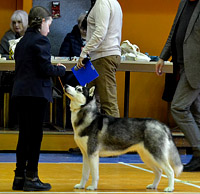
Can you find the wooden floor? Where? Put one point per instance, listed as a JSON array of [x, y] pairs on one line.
[[114, 178]]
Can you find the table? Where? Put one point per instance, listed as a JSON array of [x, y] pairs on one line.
[[136, 66], [125, 66]]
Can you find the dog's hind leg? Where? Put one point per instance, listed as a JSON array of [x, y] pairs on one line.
[[85, 173], [156, 166], [170, 175], [149, 161], [157, 173], [94, 166]]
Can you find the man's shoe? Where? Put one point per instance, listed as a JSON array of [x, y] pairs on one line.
[[33, 183], [191, 169], [193, 165]]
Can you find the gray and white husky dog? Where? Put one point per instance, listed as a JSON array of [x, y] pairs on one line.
[[101, 135]]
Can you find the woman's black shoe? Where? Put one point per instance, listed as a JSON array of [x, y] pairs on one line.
[[19, 179], [33, 183], [18, 183]]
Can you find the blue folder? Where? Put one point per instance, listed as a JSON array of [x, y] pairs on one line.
[[86, 74]]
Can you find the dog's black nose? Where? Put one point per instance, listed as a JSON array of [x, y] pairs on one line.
[[66, 86]]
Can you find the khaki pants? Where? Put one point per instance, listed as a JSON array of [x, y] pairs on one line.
[[106, 84]]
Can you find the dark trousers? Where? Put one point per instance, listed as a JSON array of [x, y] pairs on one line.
[[31, 115], [185, 110]]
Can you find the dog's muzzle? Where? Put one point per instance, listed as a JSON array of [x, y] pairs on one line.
[[66, 86]]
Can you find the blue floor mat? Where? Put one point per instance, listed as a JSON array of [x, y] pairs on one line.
[[77, 158]]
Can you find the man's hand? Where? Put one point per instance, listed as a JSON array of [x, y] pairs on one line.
[[159, 67], [80, 63]]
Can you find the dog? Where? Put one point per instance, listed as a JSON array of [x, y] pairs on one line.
[[98, 135]]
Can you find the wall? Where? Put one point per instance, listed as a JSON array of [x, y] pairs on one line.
[[70, 11], [145, 23], [6, 10]]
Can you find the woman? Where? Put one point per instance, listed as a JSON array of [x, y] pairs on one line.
[[71, 47], [32, 90], [74, 41], [18, 26]]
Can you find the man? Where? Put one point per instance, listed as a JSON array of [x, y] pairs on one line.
[[104, 25], [183, 44]]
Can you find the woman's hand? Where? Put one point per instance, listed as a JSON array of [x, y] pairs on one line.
[[60, 64]]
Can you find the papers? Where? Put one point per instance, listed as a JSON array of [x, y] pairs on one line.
[[86, 74]]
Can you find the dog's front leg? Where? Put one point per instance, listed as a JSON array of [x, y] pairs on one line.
[[85, 173], [94, 166]]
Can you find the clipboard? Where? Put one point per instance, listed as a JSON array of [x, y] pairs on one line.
[[86, 74]]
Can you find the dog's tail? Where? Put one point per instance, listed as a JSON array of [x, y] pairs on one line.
[[175, 159]]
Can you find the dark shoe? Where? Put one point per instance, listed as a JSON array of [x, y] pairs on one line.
[[193, 165], [18, 183], [33, 183], [19, 179]]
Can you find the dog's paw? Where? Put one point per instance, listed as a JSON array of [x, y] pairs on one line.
[[79, 186], [91, 188], [168, 189], [151, 186]]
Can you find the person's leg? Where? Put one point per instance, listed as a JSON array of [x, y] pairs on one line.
[[106, 84], [195, 109], [37, 107], [21, 105], [21, 152], [34, 133], [185, 100]]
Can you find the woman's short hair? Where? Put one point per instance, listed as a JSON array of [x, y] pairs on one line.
[[36, 15], [19, 15], [80, 18]]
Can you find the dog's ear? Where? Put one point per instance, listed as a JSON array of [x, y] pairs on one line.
[[91, 91]]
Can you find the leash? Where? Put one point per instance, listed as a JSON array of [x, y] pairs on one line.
[[61, 83]]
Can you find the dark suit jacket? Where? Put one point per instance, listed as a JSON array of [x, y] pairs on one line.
[[191, 45], [33, 67]]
